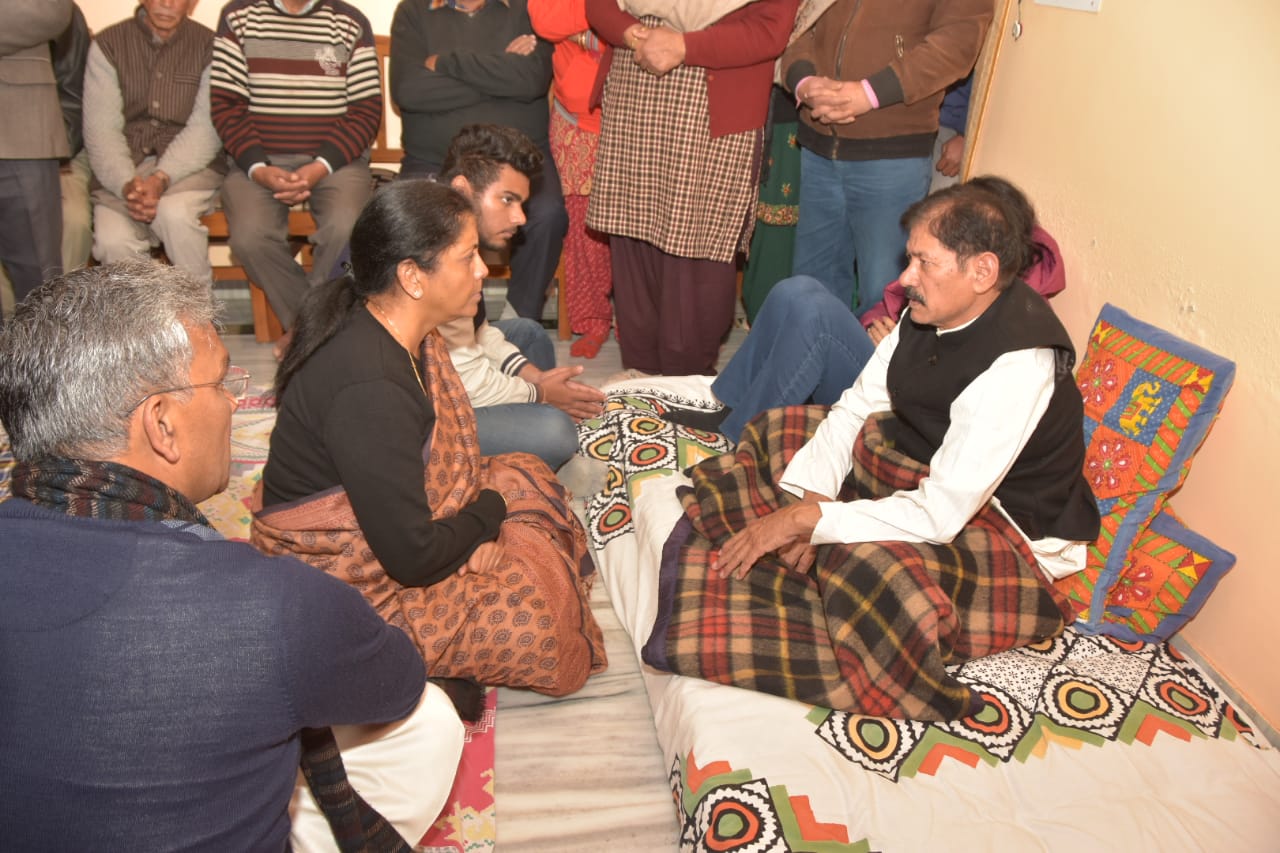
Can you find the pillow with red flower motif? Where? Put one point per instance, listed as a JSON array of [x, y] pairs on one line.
[[1167, 577], [1149, 401]]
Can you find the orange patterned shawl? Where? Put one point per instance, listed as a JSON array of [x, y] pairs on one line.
[[527, 624]]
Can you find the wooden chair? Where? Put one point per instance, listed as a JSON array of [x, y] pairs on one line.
[[266, 325]]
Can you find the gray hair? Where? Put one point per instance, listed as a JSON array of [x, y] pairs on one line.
[[86, 348]]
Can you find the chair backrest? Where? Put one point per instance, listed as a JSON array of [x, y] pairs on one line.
[[382, 150]]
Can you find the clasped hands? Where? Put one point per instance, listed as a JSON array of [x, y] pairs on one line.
[[833, 101], [290, 188], [785, 531], [142, 196], [657, 49], [558, 388]]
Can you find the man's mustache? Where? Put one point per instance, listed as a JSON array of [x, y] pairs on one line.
[[914, 294]]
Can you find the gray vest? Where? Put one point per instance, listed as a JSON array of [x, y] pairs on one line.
[[158, 80]]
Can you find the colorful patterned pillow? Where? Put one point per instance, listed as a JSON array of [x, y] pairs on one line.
[[1149, 401], [1167, 576]]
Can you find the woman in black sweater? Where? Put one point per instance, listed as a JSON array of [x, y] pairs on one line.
[[374, 473]]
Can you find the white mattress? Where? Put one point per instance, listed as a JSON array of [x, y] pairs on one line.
[[757, 772]]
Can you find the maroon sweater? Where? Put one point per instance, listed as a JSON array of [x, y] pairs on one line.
[[330, 107], [738, 52]]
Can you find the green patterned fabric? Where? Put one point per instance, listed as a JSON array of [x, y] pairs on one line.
[[778, 209]]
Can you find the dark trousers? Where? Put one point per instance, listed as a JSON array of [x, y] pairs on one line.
[[672, 312], [30, 223], [535, 251]]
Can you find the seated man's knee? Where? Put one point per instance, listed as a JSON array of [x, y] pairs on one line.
[[804, 299], [553, 436], [334, 230], [250, 241], [798, 287], [404, 770], [116, 237], [174, 214], [531, 339]]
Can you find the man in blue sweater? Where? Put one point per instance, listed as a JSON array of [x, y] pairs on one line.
[[159, 686]]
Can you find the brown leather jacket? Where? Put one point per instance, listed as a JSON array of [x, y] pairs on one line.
[[909, 50]]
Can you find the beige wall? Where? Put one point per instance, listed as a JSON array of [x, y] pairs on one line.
[[103, 13], [1147, 135]]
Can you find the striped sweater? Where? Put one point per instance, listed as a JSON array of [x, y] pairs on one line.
[[295, 84]]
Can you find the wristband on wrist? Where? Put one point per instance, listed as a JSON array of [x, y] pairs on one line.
[[803, 80], [871, 94]]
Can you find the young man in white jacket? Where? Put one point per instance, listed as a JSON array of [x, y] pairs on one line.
[[523, 402]]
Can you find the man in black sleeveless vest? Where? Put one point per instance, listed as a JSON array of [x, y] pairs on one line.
[[977, 378]]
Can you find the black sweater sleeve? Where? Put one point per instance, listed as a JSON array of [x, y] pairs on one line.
[[355, 417], [374, 432]]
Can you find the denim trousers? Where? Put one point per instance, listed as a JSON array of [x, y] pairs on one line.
[[536, 428], [530, 338], [805, 347], [849, 216]]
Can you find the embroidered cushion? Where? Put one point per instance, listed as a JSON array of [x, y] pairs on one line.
[[1149, 401], [1166, 578]]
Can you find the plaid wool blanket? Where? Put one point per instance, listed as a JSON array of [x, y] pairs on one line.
[[874, 626]]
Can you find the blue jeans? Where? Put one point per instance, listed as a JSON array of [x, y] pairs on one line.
[[804, 347], [849, 214], [530, 338], [536, 428]]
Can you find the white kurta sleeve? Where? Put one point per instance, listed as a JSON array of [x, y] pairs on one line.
[[991, 421]]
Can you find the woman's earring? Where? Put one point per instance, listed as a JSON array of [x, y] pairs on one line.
[[417, 294]]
